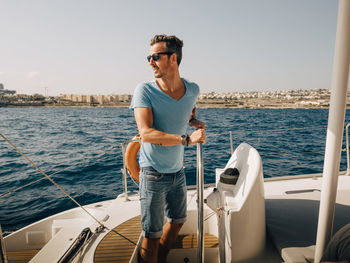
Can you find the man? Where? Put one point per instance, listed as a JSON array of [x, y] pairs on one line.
[[162, 110]]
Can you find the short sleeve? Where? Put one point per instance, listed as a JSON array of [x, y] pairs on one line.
[[141, 97]]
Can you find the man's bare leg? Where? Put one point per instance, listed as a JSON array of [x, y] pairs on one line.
[[167, 240], [149, 250]]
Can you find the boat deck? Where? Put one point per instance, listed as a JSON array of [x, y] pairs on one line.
[[22, 256], [115, 248], [297, 197], [292, 210]]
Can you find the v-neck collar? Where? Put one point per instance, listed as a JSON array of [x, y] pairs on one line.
[[169, 95]]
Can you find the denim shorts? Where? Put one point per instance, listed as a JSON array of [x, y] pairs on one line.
[[159, 193]]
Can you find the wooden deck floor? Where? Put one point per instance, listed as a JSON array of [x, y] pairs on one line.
[[23, 256], [114, 248], [190, 241]]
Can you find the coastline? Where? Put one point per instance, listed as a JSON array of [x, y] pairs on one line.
[[199, 106], [292, 99]]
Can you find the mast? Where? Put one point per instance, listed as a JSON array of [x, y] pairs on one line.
[[335, 129]]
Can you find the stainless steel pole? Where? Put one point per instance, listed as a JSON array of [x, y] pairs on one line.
[[200, 201], [231, 143], [335, 129], [124, 174], [3, 248], [347, 150]]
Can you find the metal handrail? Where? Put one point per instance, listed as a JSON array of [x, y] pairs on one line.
[[347, 149], [3, 255], [200, 201], [125, 182], [231, 143], [125, 176], [124, 144]]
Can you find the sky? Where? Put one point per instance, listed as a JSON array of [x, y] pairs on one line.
[[53, 47]]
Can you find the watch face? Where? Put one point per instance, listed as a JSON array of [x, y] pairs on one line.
[[183, 138]]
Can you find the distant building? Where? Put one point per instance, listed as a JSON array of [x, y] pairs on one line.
[[99, 99], [6, 91]]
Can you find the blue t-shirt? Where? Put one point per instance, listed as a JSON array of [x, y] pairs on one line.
[[169, 116]]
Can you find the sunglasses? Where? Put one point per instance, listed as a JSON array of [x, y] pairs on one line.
[[156, 56]]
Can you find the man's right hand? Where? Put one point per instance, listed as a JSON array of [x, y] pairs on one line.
[[198, 136]]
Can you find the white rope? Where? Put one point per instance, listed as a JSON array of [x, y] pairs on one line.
[[59, 187], [48, 177], [70, 166], [281, 129]]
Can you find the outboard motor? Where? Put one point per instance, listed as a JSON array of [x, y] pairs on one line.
[[239, 203]]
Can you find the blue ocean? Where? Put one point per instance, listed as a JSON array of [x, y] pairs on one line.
[[81, 149]]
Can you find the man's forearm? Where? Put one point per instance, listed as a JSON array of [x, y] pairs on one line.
[[154, 136]]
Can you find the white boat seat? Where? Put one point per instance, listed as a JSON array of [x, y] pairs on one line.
[[292, 223], [58, 245]]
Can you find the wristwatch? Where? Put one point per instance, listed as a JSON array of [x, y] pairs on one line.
[[185, 139]]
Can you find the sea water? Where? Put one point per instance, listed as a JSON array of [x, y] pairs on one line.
[[81, 149]]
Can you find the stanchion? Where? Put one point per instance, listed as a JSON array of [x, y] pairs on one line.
[[231, 143], [200, 190], [125, 178], [3, 255]]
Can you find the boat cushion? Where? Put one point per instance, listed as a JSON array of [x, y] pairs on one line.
[[292, 223]]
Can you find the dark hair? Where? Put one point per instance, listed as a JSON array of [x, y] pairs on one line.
[[172, 44]]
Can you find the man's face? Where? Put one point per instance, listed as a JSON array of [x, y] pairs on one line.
[[161, 66]]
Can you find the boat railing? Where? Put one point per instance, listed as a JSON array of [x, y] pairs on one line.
[[231, 143], [124, 170], [3, 255], [347, 149], [125, 176]]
